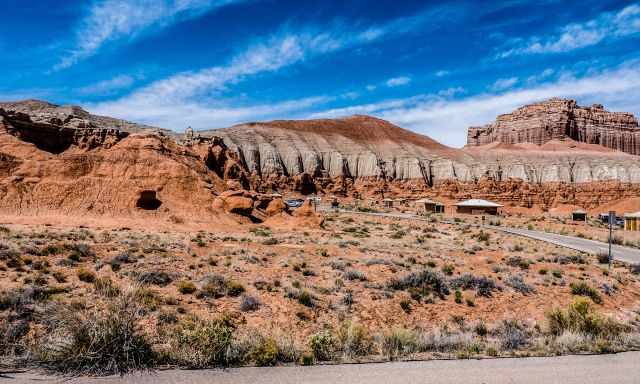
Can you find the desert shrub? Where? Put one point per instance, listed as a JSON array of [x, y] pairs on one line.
[[288, 351], [203, 343], [214, 285], [483, 236], [12, 332], [517, 283], [186, 287], [86, 276], [249, 303], [265, 353], [270, 241], [571, 259], [96, 342], [583, 289], [484, 286], [581, 317], [428, 280], [603, 257], [398, 342], [354, 274], [155, 277], [448, 269], [354, 339], [556, 273], [512, 334], [518, 261], [323, 346], [442, 340], [458, 296], [405, 305], [106, 287], [305, 298], [234, 288]]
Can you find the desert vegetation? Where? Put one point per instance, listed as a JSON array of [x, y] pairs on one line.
[[104, 301]]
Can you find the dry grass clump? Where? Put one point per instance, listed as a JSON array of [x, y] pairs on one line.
[[98, 341]]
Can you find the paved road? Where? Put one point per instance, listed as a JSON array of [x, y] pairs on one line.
[[620, 253], [622, 368], [625, 254]]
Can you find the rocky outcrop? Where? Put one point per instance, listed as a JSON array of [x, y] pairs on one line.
[[73, 116], [56, 138], [353, 147], [559, 119]]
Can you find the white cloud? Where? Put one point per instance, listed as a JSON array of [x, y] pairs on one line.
[[111, 20], [398, 81], [448, 120], [371, 87], [626, 22], [108, 86], [442, 73], [166, 102], [502, 84]]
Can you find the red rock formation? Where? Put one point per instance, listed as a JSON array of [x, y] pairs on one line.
[[558, 119]]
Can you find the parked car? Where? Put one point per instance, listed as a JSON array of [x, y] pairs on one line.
[[294, 203]]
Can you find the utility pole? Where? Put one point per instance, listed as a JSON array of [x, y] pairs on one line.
[[612, 218]]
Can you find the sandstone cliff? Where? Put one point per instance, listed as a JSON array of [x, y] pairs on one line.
[[51, 164], [558, 119]]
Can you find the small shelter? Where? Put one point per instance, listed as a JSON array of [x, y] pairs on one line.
[[478, 207], [579, 215], [632, 221], [430, 206], [388, 203]]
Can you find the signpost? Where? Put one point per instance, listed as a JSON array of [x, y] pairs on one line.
[[612, 221]]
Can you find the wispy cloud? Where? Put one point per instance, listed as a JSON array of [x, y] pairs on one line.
[[111, 20], [447, 119], [398, 81], [610, 25], [202, 90], [502, 84], [106, 87]]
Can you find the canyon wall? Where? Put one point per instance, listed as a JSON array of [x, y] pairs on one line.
[[558, 119]]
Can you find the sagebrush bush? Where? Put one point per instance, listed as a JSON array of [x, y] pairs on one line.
[[265, 353], [398, 342], [583, 289], [202, 343], [86, 276], [96, 342], [427, 279], [581, 317], [186, 287], [249, 303], [323, 346], [354, 340]]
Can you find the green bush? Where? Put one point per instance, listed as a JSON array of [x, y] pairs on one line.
[[323, 346], [235, 288], [265, 353], [583, 289], [582, 318], [186, 287], [86, 276], [354, 339]]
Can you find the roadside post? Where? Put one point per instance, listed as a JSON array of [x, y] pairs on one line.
[[612, 218]]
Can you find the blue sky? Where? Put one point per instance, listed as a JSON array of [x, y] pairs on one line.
[[433, 67]]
